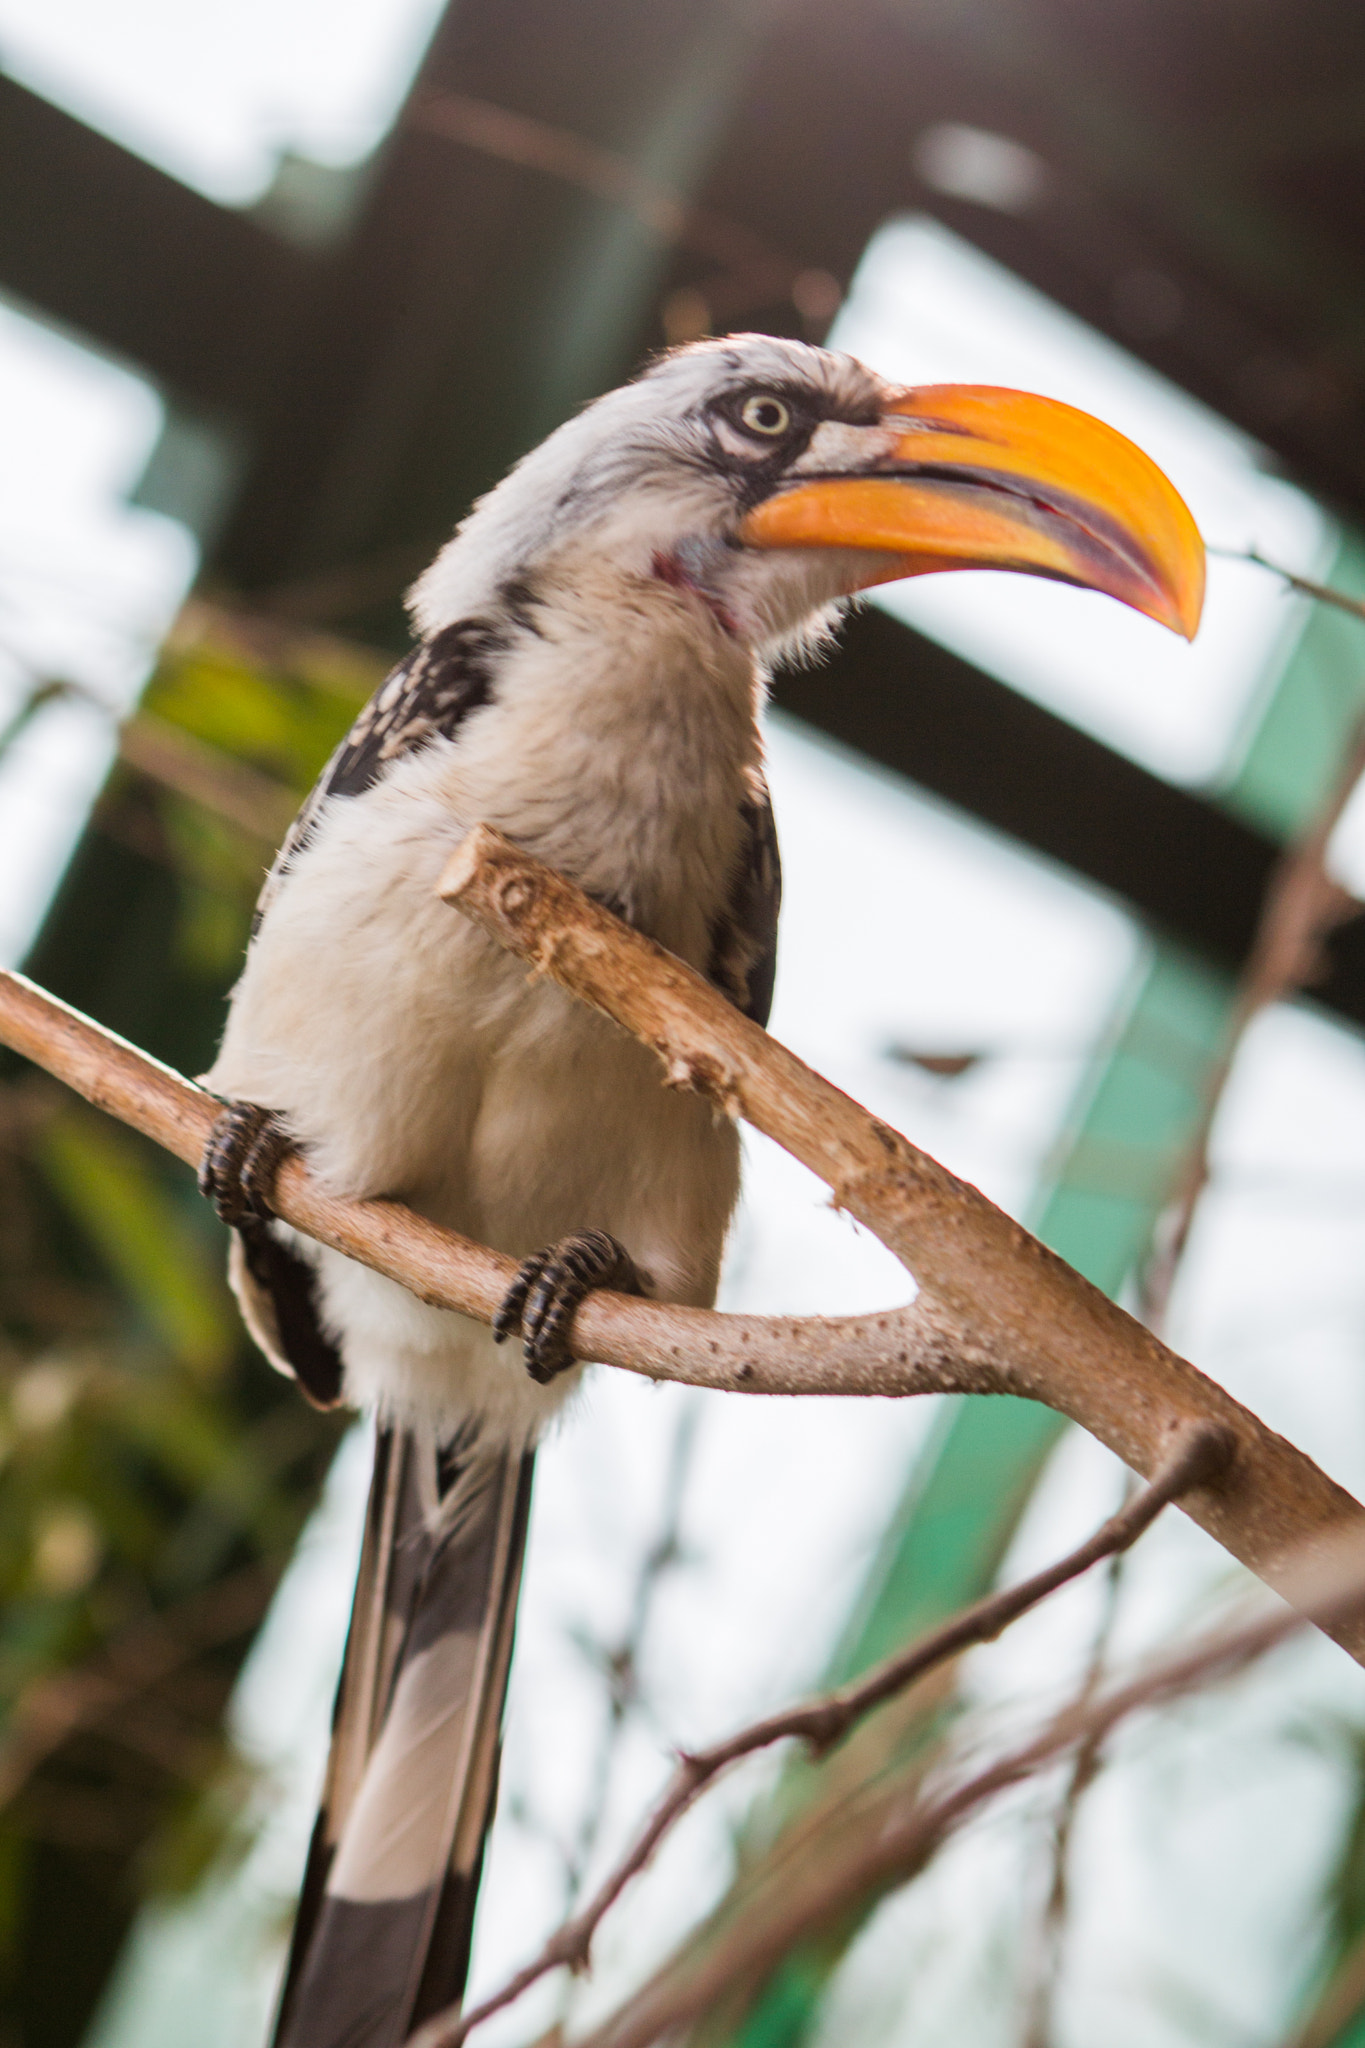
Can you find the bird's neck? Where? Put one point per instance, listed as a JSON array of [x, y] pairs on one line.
[[624, 742]]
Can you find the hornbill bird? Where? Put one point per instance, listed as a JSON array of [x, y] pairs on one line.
[[589, 677]]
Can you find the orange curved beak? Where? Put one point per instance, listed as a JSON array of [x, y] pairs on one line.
[[968, 476]]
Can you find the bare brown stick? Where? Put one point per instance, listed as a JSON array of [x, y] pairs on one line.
[[1018, 1319], [889, 1837], [1301, 907], [894, 1840], [1084, 1768], [620, 1663], [1340, 600], [996, 1312], [252, 802], [911, 1352], [757, 271], [823, 1721]]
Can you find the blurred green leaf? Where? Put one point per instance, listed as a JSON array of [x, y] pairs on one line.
[[153, 1465], [110, 1185]]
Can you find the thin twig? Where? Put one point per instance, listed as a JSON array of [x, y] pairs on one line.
[[996, 1312], [1302, 906], [751, 273], [164, 753], [142, 1656], [621, 1664], [1085, 1767], [823, 1721], [894, 1838], [45, 690], [1323, 592]]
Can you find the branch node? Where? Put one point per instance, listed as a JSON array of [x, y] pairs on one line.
[[703, 1073], [514, 894], [824, 1726], [1210, 1448]]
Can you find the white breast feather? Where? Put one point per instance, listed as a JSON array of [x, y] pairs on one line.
[[413, 1058]]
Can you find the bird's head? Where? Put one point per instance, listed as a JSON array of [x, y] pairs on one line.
[[771, 480]]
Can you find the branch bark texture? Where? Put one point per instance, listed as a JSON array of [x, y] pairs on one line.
[[996, 1312], [1011, 1316]]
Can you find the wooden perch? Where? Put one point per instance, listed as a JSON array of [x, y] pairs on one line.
[[996, 1312], [1010, 1316]]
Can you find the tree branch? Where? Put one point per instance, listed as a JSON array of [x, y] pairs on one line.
[[823, 1721], [912, 1351], [996, 1311], [1013, 1317], [1341, 600]]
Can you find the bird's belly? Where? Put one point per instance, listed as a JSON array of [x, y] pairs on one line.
[[575, 1130], [414, 1059]]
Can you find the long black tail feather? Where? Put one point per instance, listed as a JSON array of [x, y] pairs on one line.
[[382, 1936]]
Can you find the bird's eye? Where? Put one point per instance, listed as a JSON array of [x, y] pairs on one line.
[[766, 415]]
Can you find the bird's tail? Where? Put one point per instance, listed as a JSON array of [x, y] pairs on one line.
[[383, 1930]]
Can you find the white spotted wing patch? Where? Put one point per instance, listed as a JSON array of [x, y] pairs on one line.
[[428, 696]]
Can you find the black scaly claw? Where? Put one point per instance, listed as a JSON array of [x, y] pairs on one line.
[[544, 1297], [241, 1159]]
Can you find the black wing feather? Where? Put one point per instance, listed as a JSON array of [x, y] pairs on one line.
[[429, 695], [744, 942]]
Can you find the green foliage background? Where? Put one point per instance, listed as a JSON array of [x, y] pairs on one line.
[[155, 1471]]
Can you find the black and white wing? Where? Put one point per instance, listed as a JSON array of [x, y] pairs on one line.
[[430, 694], [744, 942]]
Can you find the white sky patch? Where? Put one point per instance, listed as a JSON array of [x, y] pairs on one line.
[[927, 308], [215, 93], [88, 585]]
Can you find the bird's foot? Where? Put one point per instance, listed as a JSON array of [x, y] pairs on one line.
[[544, 1297], [241, 1159]]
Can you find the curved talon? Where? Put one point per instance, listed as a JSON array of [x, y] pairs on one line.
[[240, 1162], [507, 1321], [544, 1298]]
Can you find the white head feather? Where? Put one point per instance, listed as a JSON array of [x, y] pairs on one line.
[[659, 469]]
